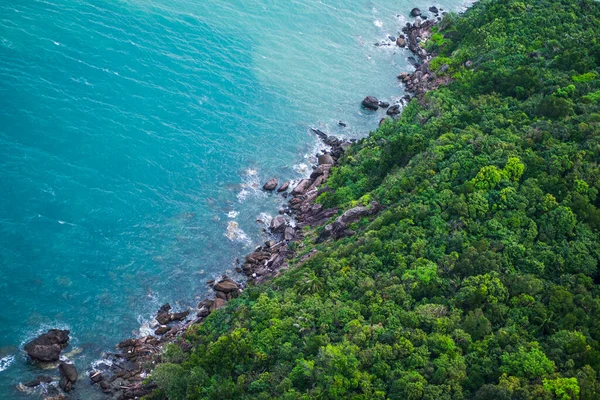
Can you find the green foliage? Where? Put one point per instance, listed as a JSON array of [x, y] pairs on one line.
[[593, 97], [562, 388], [584, 78], [527, 363], [478, 280]]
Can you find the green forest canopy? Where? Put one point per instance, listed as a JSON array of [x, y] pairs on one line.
[[477, 280]]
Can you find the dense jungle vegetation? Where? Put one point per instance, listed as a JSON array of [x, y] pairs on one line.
[[479, 278]]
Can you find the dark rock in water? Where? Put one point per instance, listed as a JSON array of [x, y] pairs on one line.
[[165, 308], [226, 286], [96, 377], [278, 224], [47, 347], [38, 380], [302, 186], [326, 159], [401, 42], [413, 61], [370, 102], [415, 12], [284, 187], [424, 17], [434, 9], [394, 110], [384, 104], [392, 38], [342, 124], [179, 316], [204, 312], [161, 330], [68, 374], [271, 184], [163, 316]]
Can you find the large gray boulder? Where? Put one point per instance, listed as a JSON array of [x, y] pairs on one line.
[[47, 347], [278, 224], [226, 286], [302, 187], [371, 102], [271, 184]]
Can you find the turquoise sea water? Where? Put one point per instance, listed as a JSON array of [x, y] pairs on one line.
[[134, 137]]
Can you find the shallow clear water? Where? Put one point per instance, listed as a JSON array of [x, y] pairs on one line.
[[134, 133]]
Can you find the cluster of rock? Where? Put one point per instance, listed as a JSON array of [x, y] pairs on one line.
[[423, 79], [268, 260], [124, 378], [48, 346], [416, 12], [45, 350], [373, 103]]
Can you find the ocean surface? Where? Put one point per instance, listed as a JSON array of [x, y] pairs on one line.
[[135, 137]]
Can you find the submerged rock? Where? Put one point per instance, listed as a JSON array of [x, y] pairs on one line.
[[371, 102], [47, 347], [415, 12], [38, 380], [434, 9], [384, 104]]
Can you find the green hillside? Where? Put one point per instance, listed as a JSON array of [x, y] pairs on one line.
[[479, 278]]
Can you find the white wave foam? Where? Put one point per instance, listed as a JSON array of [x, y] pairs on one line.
[[232, 214], [250, 186], [101, 364], [145, 327], [378, 23], [6, 362], [302, 168], [264, 220], [236, 234]]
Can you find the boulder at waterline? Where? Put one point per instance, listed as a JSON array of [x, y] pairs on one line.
[[47, 347]]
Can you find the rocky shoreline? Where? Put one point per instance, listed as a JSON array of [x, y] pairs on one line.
[[123, 373]]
